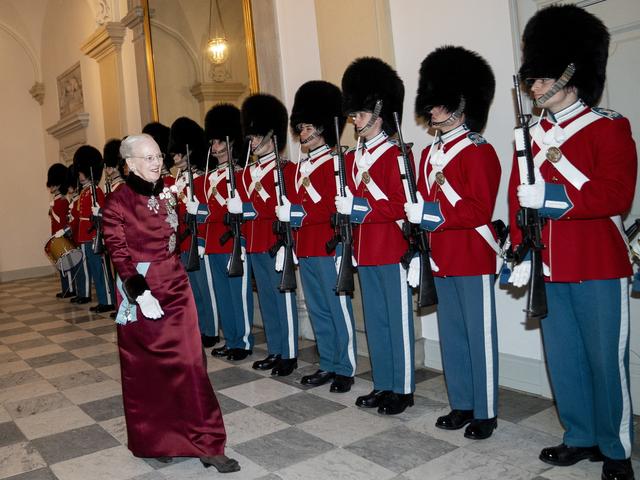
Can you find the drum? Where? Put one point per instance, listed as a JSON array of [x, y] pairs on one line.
[[63, 253]]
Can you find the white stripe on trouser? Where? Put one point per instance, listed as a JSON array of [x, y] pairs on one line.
[[347, 323], [625, 427], [245, 308], [85, 267], [488, 342], [404, 298], [70, 282], [107, 284], [212, 294], [290, 339]]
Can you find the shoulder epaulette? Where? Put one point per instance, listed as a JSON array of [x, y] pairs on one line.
[[476, 138], [605, 112]]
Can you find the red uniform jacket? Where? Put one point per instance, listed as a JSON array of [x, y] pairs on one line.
[[59, 212], [198, 187], [216, 187], [584, 243], [379, 239], [74, 217], [86, 232], [474, 173]]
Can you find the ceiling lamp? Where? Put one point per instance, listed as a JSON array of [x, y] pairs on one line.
[[217, 46]]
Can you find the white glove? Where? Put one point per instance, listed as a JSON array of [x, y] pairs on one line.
[[344, 205], [191, 203], [149, 305], [95, 211], [234, 204], [59, 233], [283, 212], [521, 274], [338, 259], [414, 210], [181, 182], [532, 196], [413, 275], [200, 251], [280, 259]]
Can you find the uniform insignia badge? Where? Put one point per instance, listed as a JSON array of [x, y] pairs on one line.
[[214, 190], [258, 186], [476, 138], [306, 182], [366, 178], [554, 154], [605, 112], [440, 178]]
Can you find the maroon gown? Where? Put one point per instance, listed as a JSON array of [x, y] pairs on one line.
[[170, 407]]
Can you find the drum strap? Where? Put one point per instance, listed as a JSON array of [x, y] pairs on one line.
[[127, 313]]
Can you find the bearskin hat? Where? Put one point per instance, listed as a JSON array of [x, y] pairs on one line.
[[88, 161], [450, 73], [368, 80], [263, 113], [584, 41], [160, 134], [185, 131], [222, 121], [317, 102], [57, 177], [111, 153], [72, 178]]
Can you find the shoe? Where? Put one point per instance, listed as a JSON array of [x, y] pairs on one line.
[[164, 459], [617, 469], [101, 308], [65, 295], [455, 419], [373, 400], [285, 366], [267, 363], [113, 314], [341, 384], [81, 300], [563, 455], [208, 342], [479, 429], [396, 403], [222, 351], [74, 299], [319, 378], [237, 354], [222, 463]]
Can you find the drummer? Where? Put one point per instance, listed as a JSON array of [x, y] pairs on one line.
[[58, 214]]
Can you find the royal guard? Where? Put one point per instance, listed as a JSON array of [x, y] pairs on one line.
[[372, 92], [585, 166], [57, 178], [89, 164], [187, 133], [459, 176], [309, 207], [160, 134], [113, 166], [79, 273], [263, 117]]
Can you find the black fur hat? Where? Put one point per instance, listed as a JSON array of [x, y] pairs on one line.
[[185, 131], [57, 177], [221, 121], [160, 134], [583, 40], [263, 113], [368, 80], [449, 73], [88, 161], [317, 102], [72, 178], [111, 153]]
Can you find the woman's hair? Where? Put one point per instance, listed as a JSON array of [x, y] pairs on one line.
[[126, 147]]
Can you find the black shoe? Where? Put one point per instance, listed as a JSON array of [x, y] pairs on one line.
[[373, 400], [267, 363], [65, 295], [80, 300], [164, 459], [74, 299], [480, 429], [396, 403], [341, 384], [208, 342], [237, 354], [220, 352], [101, 308], [617, 469], [563, 455], [284, 367], [113, 314], [221, 463], [455, 419], [319, 378]]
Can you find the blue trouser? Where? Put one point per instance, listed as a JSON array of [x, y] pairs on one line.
[[66, 281], [235, 302], [279, 310], [469, 342], [331, 316], [204, 295], [586, 341], [388, 319], [101, 276], [80, 273]]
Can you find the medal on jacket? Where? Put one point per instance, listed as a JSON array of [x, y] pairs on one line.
[[440, 178], [214, 190], [258, 186], [554, 154], [306, 182], [366, 178]]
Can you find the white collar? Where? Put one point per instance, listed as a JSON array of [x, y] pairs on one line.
[[566, 113], [319, 152], [375, 141], [453, 134], [266, 158]]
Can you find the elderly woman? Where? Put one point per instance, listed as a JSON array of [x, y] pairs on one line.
[[170, 407]]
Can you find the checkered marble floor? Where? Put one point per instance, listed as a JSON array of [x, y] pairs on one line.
[[61, 414]]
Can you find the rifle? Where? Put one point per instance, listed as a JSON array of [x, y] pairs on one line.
[[193, 262], [341, 224], [233, 221], [631, 233], [418, 241], [107, 185], [97, 245], [283, 231], [528, 219]]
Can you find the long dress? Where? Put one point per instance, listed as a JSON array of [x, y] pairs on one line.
[[170, 407]]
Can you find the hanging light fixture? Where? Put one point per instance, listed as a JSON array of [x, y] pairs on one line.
[[217, 46]]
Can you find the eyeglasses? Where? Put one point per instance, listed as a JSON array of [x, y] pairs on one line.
[[151, 158], [529, 82]]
